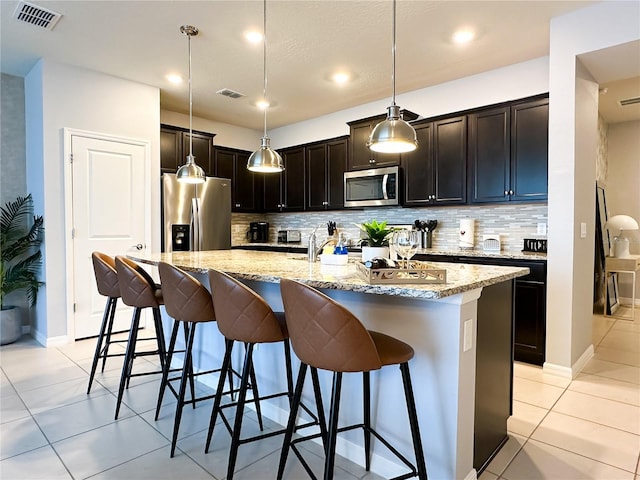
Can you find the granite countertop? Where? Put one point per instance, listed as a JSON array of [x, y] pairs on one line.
[[454, 252], [267, 266]]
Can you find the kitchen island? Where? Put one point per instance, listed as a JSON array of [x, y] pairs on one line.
[[448, 325]]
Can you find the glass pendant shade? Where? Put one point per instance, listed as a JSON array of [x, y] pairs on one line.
[[393, 135], [265, 159], [190, 172]]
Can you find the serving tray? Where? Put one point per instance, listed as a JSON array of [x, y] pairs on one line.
[[419, 272]]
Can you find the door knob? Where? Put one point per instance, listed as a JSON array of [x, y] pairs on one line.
[[139, 246]]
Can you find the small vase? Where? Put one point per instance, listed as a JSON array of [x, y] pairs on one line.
[[369, 253]]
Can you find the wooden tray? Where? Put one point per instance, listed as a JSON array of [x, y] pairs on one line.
[[420, 272]]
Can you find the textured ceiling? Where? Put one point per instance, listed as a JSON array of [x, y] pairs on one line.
[[307, 41]]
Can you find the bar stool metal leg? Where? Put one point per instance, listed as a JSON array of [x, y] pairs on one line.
[[291, 424], [128, 358], [333, 425], [107, 320], [421, 466], [366, 395], [183, 386]]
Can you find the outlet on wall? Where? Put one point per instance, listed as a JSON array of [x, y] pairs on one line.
[[542, 229]]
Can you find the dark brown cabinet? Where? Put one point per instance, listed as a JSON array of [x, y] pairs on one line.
[[508, 153], [285, 191], [246, 185], [325, 166], [360, 157], [174, 148], [435, 173]]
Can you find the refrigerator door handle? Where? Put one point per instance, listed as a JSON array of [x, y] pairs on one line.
[[196, 224]]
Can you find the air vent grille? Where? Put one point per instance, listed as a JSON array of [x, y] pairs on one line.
[[629, 101], [227, 92], [36, 15]]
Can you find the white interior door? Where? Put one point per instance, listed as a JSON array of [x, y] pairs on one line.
[[109, 215]]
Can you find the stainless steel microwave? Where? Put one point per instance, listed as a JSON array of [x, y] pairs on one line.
[[371, 188]]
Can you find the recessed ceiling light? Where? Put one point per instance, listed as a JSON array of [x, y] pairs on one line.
[[341, 78], [174, 78], [262, 104], [463, 36], [253, 36]]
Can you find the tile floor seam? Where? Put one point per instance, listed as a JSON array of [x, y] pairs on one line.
[[512, 458], [600, 397], [638, 465], [125, 462], [583, 456]]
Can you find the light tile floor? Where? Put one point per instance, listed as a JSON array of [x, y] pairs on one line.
[[588, 428]]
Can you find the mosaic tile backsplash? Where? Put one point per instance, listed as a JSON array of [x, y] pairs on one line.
[[513, 222]]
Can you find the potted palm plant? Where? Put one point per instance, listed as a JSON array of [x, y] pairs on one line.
[[21, 234], [377, 239]]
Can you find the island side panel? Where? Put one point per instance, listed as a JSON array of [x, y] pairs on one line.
[[443, 379]]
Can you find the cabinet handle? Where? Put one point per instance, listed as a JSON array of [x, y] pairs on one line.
[[510, 192], [237, 205], [372, 160], [506, 192]]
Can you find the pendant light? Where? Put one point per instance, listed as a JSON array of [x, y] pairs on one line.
[[190, 172], [265, 159], [393, 135]]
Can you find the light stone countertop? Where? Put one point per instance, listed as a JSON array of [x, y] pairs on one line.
[[272, 266]]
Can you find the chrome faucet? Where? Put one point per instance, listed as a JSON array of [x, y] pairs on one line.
[[312, 250]]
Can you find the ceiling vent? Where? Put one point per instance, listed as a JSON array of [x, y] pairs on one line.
[[227, 92], [629, 101], [36, 15]]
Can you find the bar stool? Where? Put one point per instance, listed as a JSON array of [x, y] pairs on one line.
[[104, 268], [244, 316], [188, 302], [325, 335], [138, 290]]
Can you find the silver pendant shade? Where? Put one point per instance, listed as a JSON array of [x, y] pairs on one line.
[[265, 159], [190, 172], [393, 135]]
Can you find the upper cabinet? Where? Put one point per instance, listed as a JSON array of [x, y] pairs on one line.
[[246, 185], [435, 173], [508, 153], [325, 165], [285, 191], [174, 148], [360, 157]]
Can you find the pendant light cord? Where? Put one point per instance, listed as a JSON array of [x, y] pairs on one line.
[[393, 54], [190, 106], [264, 63]]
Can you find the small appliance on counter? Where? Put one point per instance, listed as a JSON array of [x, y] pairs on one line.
[[289, 236], [258, 232], [535, 245], [466, 238], [491, 243]]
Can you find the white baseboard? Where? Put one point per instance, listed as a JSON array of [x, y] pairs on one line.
[[626, 301], [573, 371], [472, 475], [49, 341]]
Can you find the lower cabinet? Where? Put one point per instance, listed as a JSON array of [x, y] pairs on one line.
[[529, 305]]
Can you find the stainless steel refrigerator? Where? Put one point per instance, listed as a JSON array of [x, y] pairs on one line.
[[196, 217]]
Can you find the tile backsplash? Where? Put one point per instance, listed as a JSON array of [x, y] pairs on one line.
[[513, 222]]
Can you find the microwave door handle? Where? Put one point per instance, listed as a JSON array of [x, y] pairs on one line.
[[385, 181]]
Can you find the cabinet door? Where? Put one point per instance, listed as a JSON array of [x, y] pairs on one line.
[[489, 155], [317, 177], [202, 150], [530, 322], [170, 150], [337, 163], [450, 160], [247, 186], [360, 156], [271, 199], [529, 150], [418, 169], [294, 181], [224, 162]]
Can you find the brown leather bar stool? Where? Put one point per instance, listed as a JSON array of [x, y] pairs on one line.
[[138, 290], [325, 335], [244, 316], [104, 268], [188, 302]]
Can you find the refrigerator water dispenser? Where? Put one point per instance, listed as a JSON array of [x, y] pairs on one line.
[[180, 237]]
